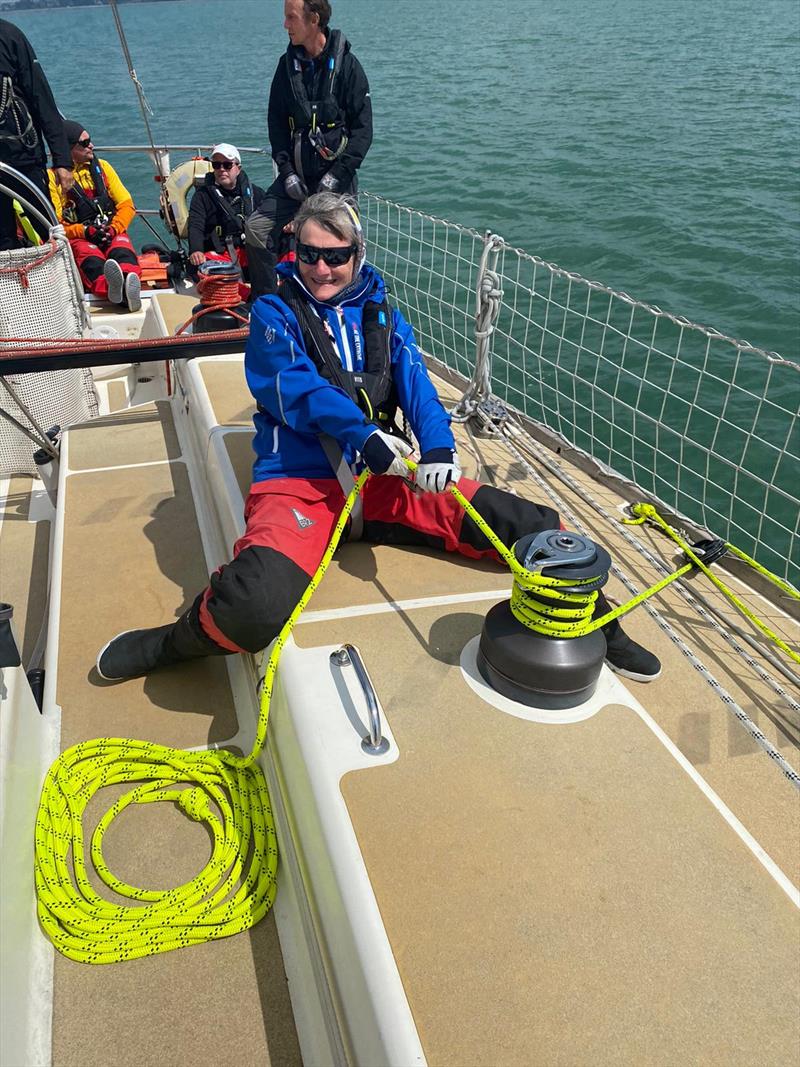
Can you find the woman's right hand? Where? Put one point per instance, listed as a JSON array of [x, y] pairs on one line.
[[196, 258]]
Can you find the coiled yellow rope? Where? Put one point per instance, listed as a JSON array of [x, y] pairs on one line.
[[228, 793], [237, 886]]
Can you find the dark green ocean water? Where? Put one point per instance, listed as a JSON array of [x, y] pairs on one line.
[[648, 144]]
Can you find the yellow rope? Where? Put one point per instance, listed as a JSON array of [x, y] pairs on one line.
[[235, 889], [574, 620], [646, 512], [229, 793]]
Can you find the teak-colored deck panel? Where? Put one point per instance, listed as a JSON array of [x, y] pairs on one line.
[[24, 551], [142, 528], [231, 400], [176, 308], [131, 542], [681, 701], [143, 434], [557, 894]]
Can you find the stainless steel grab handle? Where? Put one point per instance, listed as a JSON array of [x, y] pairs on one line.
[[373, 743]]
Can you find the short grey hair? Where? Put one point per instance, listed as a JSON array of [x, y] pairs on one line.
[[335, 213]]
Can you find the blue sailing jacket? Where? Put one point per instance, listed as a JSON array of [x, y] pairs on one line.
[[296, 403]]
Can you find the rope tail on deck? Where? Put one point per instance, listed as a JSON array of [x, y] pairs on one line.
[[237, 886]]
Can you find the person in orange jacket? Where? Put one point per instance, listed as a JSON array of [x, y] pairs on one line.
[[96, 214]]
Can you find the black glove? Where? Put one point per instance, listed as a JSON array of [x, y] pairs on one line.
[[294, 187], [328, 184], [99, 235]]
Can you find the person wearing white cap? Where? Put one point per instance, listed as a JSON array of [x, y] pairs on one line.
[[220, 208]]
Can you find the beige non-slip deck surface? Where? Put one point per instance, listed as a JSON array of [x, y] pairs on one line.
[[692, 713], [176, 309], [558, 894], [231, 400], [133, 557]]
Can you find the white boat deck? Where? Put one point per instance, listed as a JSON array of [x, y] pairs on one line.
[[615, 890]]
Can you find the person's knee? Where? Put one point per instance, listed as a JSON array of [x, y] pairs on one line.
[[509, 515], [258, 228], [253, 596]]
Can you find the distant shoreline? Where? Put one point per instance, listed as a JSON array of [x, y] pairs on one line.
[[9, 8]]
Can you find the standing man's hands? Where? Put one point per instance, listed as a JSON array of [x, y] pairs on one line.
[[196, 258], [328, 183], [294, 187], [65, 178]]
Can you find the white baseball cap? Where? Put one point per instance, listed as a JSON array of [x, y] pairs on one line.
[[229, 151]]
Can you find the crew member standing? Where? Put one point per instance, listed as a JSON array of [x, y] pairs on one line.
[[97, 212], [320, 129], [28, 118]]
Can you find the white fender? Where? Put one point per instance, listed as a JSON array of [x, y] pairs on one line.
[[175, 193]]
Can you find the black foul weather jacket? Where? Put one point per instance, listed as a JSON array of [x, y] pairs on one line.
[[216, 214], [28, 112], [320, 113]]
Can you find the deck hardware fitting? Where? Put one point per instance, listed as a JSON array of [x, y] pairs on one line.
[[374, 744]]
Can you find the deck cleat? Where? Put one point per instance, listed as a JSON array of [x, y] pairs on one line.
[[540, 669]]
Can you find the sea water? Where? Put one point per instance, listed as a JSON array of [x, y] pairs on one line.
[[646, 144]]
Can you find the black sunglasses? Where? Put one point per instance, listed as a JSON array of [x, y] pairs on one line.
[[221, 164], [85, 142], [334, 257]]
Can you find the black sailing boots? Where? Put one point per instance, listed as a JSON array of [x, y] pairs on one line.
[[137, 652]]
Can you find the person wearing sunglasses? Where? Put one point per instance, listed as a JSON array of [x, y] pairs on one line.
[[96, 213], [320, 129], [220, 208], [29, 117], [331, 365]]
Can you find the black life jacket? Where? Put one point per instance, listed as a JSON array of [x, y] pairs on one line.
[[233, 209], [91, 209], [372, 388], [320, 118]]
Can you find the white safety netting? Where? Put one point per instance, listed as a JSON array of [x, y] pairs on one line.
[[703, 424], [40, 297]]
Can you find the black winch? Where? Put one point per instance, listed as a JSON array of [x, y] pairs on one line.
[[539, 669], [220, 306]]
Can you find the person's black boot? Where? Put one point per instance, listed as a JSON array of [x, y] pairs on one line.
[[624, 656], [137, 652]]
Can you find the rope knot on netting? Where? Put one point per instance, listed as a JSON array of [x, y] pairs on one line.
[[24, 269], [490, 296]]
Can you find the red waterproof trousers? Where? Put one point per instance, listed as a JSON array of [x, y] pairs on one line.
[[91, 260], [289, 522]]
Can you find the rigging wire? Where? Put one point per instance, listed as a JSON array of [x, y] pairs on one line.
[[144, 105]]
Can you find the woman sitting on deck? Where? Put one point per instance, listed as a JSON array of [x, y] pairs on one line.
[[328, 362]]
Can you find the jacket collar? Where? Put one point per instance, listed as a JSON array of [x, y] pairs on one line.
[[367, 284]]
